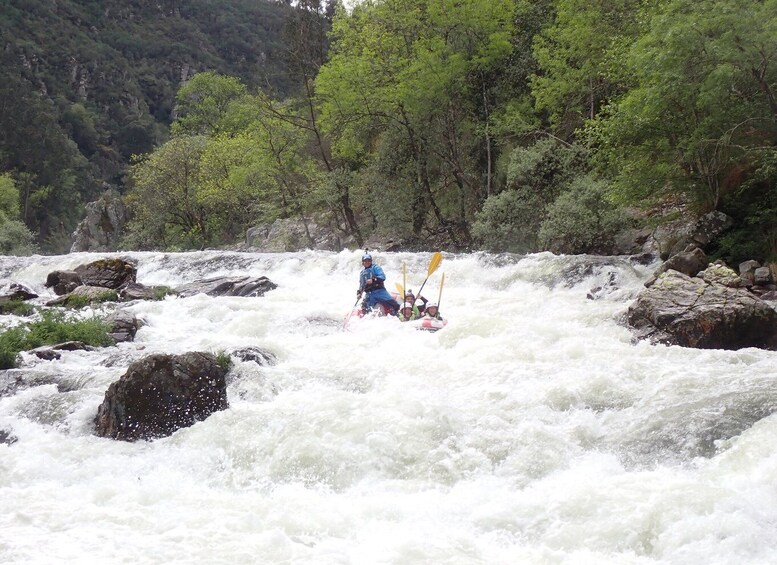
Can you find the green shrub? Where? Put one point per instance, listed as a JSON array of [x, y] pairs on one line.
[[161, 291], [224, 360], [17, 308], [509, 221], [52, 328], [581, 220], [77, 301], [16, 239]]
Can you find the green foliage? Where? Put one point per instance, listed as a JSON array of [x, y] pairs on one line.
[[17, 308], [16, 239], [753, 206], [542, 180], [203, 101], [508, 222], [160, 292], [87, 84], [581, 220], [77, 301], [52, 328], [581, 59], [415, 72], [9, 197], [224, 360], [703, 100]]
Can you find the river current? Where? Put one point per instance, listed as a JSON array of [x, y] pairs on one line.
[[530, 430]]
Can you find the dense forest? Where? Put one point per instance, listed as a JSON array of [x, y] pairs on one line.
[[515, 125], [87, 84]]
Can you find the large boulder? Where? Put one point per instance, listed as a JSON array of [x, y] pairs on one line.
[[689, 311], [228, 286], [123, 325], [137, 291], [62, 282], [110, 273], [160, 394], [85, 294], [11, 291], [103, 225], [701, 233]]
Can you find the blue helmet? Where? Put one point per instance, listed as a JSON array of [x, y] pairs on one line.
[[366, 257]]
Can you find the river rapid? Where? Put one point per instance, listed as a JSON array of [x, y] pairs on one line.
[[530, 430]]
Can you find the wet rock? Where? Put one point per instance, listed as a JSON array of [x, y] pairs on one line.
[[123, 325], [762, 276], [88, 293], [63, 282], [228, 286], [160, 394], [137, 291], [691, 312], [14, 291], [258, 356], [46, 353], [703, 232], [10, 382], [603, 290], [109, 273], [7, 437], [747, 271], [688, 262]]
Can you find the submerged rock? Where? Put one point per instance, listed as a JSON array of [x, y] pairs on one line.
[[160, 394], [258, 356], [228, 286]]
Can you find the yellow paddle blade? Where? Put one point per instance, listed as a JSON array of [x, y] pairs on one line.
[[434, 264], [400, 290]]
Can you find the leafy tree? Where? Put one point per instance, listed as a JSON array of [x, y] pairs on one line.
[[581, 220], [536, 177], [402, 67], [581, 59], [703, 109], [203, 101], [15, 238], [165, 202]]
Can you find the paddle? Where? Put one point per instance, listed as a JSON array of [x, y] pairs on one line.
[[433, 265], [348, 317], [404, 280], [439, 298]]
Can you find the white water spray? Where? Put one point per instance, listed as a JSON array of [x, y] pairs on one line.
[[530, 430]]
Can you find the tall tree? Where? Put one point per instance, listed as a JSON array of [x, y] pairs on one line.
[[401, 68], [703, 110]]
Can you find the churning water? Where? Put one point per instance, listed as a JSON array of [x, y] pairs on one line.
[[531, 430]]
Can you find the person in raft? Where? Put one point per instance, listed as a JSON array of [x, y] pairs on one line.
[[408, 312], [371, 284], [432, 311], [419, 304]]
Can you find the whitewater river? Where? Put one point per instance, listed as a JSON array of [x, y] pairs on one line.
[[531, 430]]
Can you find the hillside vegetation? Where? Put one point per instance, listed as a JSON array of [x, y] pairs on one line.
[[507, 125], [86, 84]]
